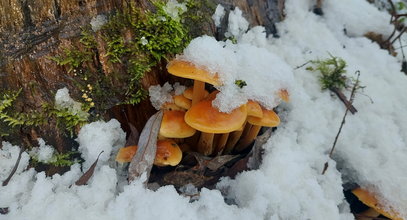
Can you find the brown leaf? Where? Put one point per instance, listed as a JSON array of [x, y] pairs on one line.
[[3, 211], [147, 147], [88, 174], [220, 161], [133, 137], [5, 182]]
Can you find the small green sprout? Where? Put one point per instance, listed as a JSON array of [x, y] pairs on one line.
[[240, 83]]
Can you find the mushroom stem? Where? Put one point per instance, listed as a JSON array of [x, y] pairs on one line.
[[220, 146], [248, 139], [367, 215], [234, 138], [205, 143], [198, 92]]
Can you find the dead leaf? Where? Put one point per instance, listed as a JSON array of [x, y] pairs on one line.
[[133, 137], [147, 147], [220, 161], [3, 211], [88, 174], [5, 182]]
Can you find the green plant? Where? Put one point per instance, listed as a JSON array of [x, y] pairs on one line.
[[65, 118], [140, 40], [240, 83], [12, 118], [57, 159], [332, 72]]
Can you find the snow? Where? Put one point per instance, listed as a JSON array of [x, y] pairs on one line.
[[218, 15], [43, 153], [264, 72], [371, 149], [98, 22], [174, 9], [64, 101], [160, 95], [100, 136], [237, 24]]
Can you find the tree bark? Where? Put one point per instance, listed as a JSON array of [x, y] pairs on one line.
[[32, 31]]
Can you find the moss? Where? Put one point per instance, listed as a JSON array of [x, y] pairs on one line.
[[11, 119], [59, 159], [332, 72]]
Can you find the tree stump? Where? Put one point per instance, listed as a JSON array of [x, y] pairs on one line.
[[33, 31]]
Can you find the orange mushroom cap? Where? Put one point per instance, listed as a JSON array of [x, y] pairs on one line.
[[188, 93], [182, 102], [125, 154], [370, 200], [188, 70], [168, 153], [171, 106], [174, 126], [206, 118], [269, 119], [254, 109]]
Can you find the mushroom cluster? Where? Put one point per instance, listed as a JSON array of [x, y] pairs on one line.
[[192, 123]]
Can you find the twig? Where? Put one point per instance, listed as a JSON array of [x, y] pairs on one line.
[[297, 67], [345, 101], [352, 96], [5, 182]]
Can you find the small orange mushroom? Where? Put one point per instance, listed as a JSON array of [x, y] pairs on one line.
[[253, 109], [168, 153], [188, 70], [182, 102], [188, 93], [173, 125], [370, 200], [125, 154], [206, 118], [269, 119]]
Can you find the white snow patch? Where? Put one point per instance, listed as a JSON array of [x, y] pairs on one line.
[[238, 25], [43, 153], [97, 22], [64, 101], [174, 9], [218, 15], [100, 136], [160, 95]]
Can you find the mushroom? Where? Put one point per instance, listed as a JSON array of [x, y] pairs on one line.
[[188, 70], [173, 125], [376, 208], [188, 93], [168, 153], [125, 154], [269, 119], [171, 106], [182, 102], [253, 109], [206, 118]]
